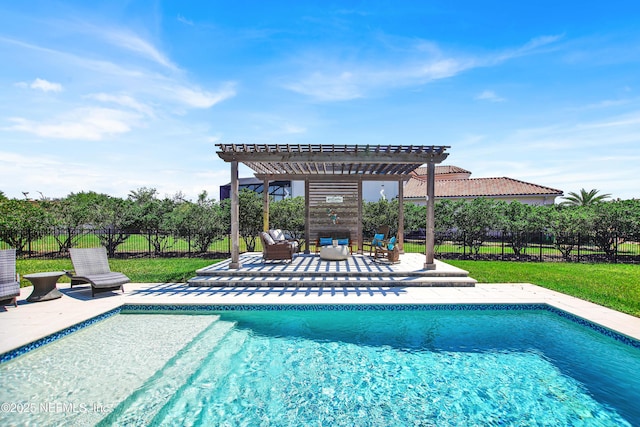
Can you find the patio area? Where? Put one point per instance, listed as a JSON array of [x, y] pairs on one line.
[[310, 270]]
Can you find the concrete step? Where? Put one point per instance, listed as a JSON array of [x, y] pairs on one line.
[[320, 272], [331, 281]]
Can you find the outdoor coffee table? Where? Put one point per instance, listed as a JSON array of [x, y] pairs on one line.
[[334, 253], [44, 286]]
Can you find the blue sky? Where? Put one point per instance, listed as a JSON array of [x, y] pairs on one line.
[[116, 95]]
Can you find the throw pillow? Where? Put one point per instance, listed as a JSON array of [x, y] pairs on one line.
[[277, 234], [326, 241], [268, 239], [392, 243]]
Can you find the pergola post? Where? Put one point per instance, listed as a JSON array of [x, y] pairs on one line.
[[429, 263], [400, 215], [235, 218], [360, 243], [307, 218], [265, 205]]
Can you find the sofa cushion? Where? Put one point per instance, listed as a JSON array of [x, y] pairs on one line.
[[277, 235], [268, 239]]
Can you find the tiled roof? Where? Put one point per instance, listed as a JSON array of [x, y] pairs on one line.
[[442, 170], [478, 187]]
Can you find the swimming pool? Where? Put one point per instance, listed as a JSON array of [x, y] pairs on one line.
[[329, 365]]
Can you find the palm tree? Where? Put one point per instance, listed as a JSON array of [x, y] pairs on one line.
[[585, 198]]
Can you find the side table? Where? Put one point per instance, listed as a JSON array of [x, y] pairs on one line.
[[44, 286]]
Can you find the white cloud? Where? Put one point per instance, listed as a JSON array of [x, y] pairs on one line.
[[489, 95], [329, 87], [46, 86], [425, 62], [198, 98], [81, 124], [125, 101], [185, 20], [136, 44], [42, 85]]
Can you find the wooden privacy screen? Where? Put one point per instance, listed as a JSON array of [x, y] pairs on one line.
[[333, 208]]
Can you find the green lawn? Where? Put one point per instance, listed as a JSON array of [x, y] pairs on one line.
[[613, 285], [141, 270]]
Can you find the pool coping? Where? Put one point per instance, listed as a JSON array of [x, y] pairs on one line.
[[166, 296]]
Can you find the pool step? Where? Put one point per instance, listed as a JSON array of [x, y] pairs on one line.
[[215, 368], [143, 405], [332, 281]]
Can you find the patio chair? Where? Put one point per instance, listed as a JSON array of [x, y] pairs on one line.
[[389, 251], [9, 281], [280, 236], [275, 251], [92, 266], [379, 240]]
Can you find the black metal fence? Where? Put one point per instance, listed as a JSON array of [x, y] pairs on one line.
[[490, 246], [537, 246], [132, 244]]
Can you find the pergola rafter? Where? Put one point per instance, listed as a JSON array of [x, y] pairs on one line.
[[332, 162]]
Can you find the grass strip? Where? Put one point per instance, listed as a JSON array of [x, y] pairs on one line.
[[616, 286]]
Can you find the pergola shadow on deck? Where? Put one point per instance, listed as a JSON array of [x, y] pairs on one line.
[[324, 168], [310, 270]]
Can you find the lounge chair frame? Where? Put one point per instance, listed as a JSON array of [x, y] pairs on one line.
[[9, 281], [91, 266]]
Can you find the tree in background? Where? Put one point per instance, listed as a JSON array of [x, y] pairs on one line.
[[22, 221], [288, 214], [585, 198], [518, 221], [72, 217], [612, 223], [377, 214], [201, 222], [474, 219], [114, 218], [566, 223], [153, 217], [250, 217]]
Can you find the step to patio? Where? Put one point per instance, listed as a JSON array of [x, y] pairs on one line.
[[331, 281], [308, 270], [266, 272]]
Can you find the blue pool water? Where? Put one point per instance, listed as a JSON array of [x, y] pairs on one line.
[[412, 366]]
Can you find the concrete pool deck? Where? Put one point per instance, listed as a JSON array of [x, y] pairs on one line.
[[32, 321]]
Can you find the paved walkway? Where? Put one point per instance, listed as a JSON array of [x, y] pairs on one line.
[[31, 321]]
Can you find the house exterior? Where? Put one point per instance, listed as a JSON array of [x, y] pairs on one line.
[[451, 182], [455, 183]]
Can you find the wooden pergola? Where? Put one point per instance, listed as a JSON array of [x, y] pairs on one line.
[[331, 164]]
